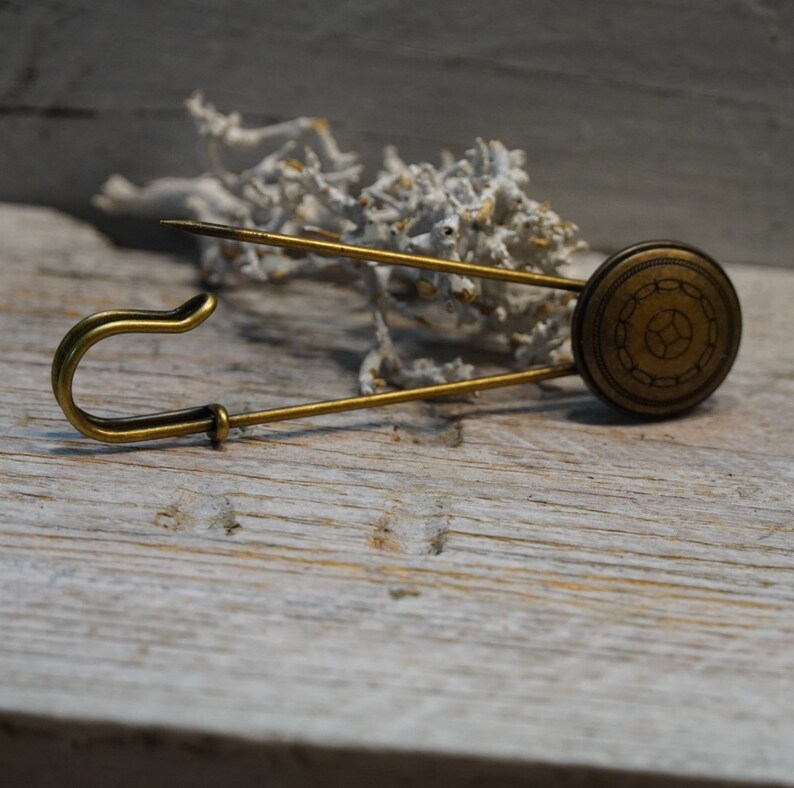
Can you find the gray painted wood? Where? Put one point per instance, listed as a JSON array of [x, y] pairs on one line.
[[523, 587], [662, 118]]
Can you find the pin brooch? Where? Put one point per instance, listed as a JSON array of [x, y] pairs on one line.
[[655, 331]]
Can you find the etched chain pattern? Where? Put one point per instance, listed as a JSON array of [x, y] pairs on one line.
[[668, 334], [628, 363]]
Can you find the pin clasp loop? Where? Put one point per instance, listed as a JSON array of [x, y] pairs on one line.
[[212, 419]]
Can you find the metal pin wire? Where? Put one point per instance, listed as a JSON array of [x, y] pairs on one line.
[[214, 419]]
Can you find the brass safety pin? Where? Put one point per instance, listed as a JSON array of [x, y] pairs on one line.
[[655, 331]]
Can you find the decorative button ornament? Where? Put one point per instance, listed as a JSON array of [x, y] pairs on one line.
[[656, 328], [655, 331]]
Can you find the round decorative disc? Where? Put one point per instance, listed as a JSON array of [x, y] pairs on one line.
[[657, 328]]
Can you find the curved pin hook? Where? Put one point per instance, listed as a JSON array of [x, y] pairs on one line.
[[212, 419]]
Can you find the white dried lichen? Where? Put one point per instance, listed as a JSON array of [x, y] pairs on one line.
[[474, 209]]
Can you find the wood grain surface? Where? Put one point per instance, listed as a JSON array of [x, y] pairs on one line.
[[522, 586], [660, 118]]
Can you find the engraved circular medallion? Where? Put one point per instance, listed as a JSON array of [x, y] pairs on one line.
[[657, 328]]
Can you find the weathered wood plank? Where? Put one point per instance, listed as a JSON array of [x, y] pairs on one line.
[[657, 119], [522, 580]]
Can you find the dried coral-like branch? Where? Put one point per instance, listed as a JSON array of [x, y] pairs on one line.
[[473, 209]]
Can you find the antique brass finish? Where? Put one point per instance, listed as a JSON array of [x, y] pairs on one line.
[[338, 249], [215, 419], [657, 328], [655, 331], [91, 330]]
